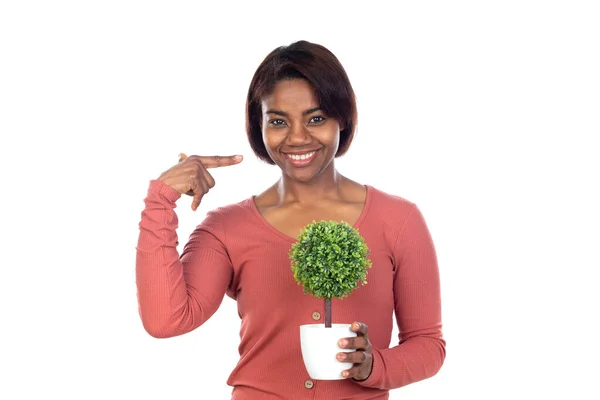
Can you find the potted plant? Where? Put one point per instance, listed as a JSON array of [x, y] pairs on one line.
[[329, 260]]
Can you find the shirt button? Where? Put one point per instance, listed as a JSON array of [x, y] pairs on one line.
[[309, 384], [316, 316]]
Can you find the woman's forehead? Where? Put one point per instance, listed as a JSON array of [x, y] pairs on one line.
[[293, 94]]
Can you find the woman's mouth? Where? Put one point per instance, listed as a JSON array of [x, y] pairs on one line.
[[301, 159]]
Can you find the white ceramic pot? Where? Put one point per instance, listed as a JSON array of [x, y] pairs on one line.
[[319, 348]]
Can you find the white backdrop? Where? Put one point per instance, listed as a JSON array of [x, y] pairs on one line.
[[482, 113]]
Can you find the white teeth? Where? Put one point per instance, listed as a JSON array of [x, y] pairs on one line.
[[301, 157]]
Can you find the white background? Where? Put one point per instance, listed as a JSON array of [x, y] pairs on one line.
[[483, 113]]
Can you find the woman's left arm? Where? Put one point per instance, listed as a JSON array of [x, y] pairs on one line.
[[421, 350]]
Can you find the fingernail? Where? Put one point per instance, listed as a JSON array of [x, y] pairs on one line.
[[341, 357], [237, 158], [342, 343], [345, 374]]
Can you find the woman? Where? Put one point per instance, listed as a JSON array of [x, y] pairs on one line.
[[300, 115]]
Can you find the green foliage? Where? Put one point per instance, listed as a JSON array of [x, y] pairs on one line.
[[330, 259]]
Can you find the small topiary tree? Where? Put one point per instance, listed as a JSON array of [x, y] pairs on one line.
[[329, 259]]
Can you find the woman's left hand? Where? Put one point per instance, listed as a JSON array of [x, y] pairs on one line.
[[362, 358]]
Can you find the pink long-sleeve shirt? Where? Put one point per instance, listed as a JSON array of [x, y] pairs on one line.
[[235, 251]]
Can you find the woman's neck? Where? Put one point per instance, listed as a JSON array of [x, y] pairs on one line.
[[324, 187]]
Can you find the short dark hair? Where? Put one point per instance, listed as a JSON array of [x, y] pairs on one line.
[[321, 68]]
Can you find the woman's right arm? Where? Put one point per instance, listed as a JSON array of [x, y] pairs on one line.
[[178, 294]]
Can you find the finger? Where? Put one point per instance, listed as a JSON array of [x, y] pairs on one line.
[[220, 161], [182, 157], [197, 199], [199, 189], [203, 182], [194, 185], [359, 342], [357, 372], [360, 328], [210, 181], [354, 357]]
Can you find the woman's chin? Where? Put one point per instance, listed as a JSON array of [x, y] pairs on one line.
[[301, 177]]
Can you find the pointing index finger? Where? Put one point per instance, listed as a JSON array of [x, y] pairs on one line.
[[220, 161]]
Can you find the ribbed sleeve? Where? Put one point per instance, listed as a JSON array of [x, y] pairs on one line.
[[176, 295], [421, 350]]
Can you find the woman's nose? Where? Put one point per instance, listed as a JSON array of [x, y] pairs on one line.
[[299, 133]]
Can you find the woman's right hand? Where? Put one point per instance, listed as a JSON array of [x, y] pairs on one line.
[[190, 175]]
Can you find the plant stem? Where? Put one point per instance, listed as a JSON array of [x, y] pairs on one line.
[[327, 313]]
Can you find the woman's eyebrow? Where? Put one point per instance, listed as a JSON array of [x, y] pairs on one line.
[[311, 110], [284, 114]]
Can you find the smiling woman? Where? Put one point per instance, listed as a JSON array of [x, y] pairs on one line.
[[301, 115], [297, 134], [322, 78]]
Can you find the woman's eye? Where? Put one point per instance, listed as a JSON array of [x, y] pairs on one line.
[[277, 122], [317, 119]]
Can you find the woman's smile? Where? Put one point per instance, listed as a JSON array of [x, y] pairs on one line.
[[300, 159]]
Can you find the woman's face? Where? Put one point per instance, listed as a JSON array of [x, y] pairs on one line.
[[297, 134]]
